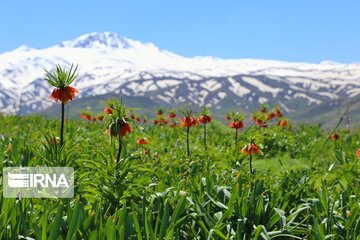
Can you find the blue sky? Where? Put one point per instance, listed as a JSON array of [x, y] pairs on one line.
[[306, 30]]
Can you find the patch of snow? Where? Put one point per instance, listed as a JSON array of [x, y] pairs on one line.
[[222, 95], [211, 85], [328, 94], [283, 106], [353, 92], [261, 86], [138, 87], [163, 98], [167, 83], [237, 88], [309, 99], [262, 100]]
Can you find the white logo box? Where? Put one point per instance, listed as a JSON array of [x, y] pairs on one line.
[[38, 182]]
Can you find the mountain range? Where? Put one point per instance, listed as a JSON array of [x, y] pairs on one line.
[[112, 65]]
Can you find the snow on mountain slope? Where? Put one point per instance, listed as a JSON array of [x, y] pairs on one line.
[[110, 63]]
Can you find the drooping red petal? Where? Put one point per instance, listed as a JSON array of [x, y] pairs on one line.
[[142, 141], [64, 95], [250, 149], [357, 153], [107, 110], [172, 115], [124, 129], [204, 119], [236, 124], [188, 121]]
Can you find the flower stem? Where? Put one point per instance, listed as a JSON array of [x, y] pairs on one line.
[[67, 111], [187, 140], [62, 123], [119, 150], [236, 136], [205, 137], [236, 139], [251, 171]]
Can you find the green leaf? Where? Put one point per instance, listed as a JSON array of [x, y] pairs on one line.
[[74, 220], [56, 223]]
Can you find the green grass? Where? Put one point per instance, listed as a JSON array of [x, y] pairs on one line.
[[303, 188], [277, 165]]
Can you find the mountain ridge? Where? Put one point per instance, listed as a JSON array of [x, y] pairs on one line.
[[113, 64]]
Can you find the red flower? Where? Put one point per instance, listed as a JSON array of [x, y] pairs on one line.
[[188, 121], [334, 137], [263, 110], [84, 116], [228, 117], [155, 121], [100, 118], [204, 119], [194, 122], [278, 113], [138, 119], [172, 115], [64, 95], [107, 110], [124, 129], [236, 124], [250, 148], [142, 141], [357, 153], [283, 123], [163, 121], [271, 116], [260, 123], [159, 112]]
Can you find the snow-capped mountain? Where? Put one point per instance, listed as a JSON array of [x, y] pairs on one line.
[[109, 63]]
